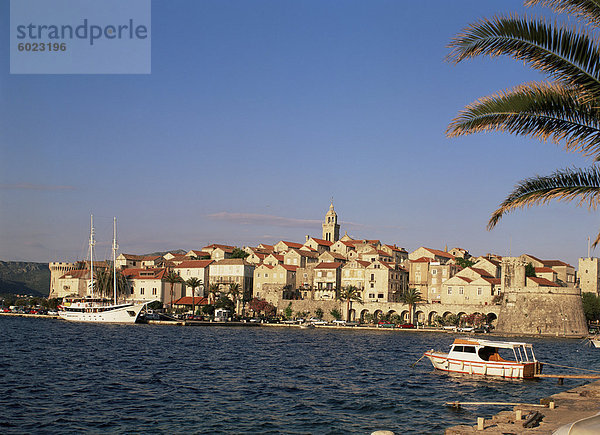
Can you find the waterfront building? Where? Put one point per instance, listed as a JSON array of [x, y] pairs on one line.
[[273, 259], [435, 255], [271, 280], [126, 261], [75, 282], [384, 282], [301, 258], [427, 276], [331, 257], [232, 270], [57, 270], [327, 280], [195, 269], [146, 285], [470, 286], [354, 274], [589, 275]]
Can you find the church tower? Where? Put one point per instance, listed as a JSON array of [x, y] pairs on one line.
[[331, 229]]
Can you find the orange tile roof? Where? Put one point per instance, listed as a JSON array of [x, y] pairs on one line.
[[187, 300], [551, 263], [290, 244], [81, 273], [289, 267], [216, 245], [482, 272], [494, 281], [328, 265], [421, 260], [440, 253], [543, 281], [157, 273], [322, 242], [543, 270], [193, 264]]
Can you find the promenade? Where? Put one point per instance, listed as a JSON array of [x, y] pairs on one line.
[[569, 406]]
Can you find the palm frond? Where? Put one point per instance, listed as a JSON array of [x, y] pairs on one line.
[[568, 55], [540, 110], [563, 185], [588, 10]]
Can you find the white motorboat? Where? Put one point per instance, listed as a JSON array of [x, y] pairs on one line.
[[95, 309], [505, 359]]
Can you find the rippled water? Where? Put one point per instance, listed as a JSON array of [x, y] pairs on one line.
[[59, 377]]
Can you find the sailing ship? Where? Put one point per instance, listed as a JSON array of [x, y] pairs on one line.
[[98, 309]]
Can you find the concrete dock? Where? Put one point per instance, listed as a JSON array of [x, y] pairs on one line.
[[569, 406]]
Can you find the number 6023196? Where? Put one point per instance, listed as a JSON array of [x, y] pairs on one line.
[[42, 46]]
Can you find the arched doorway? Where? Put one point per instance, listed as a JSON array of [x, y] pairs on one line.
[[363, 314], [352, 315], [431, 317], [420, 317]]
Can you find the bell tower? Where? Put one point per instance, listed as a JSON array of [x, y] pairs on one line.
[[331, 229]]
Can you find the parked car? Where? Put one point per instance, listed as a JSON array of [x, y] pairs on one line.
[[339, 322], [385, 325], [407, 325]]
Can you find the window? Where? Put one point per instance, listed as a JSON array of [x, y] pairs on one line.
[[434, 272], [449, 290], [372, 277], [380, 296], [154, 292], [371, 295], [479, 291], [142, 290], [258, 275], [461, 290], [372, 285], [266, 275], [433, 290]]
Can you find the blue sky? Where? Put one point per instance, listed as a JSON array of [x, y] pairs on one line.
[[257, 113]]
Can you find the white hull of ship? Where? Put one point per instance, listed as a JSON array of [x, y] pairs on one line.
[[595, 342], [504, 369], [123, 314]]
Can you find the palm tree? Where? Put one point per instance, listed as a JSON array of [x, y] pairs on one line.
[[213, 289], [172, 278], [410, 297], [564, 109], [234, 291], [102, 282], [348, 294], [194, 283]]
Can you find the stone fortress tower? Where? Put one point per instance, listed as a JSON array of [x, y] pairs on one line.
[[532, 309], [331, 228], [589, 275], [58, 269]]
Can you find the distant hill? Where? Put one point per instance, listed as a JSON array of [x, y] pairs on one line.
[[20, 277], [162, 253]]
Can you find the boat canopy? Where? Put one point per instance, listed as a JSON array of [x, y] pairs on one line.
[[491, 343]]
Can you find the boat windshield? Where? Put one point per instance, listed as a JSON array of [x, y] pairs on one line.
[[489, 353]]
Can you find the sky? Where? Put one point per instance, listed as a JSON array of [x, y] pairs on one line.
[[256, 113]]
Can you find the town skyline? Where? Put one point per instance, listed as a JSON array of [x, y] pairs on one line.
[[256, 114]]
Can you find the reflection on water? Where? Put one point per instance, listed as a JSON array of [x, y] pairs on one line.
[[61, 377]]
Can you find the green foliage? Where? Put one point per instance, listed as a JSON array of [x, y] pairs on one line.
[[226, 303], [562, 109], [208, 309], [302, 314], [319, 313], [335, 313], [155, 305], [287, 312], [463, 262], [368, 318], [530, 270], [239, 253], [591, 306]]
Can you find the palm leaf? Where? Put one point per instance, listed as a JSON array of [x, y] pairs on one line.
[[588, 10], [567, 55], [540, 110], [564, 185]]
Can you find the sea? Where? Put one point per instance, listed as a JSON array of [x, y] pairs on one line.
[[60, 377]]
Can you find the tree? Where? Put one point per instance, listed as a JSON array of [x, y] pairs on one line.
[[234, 292], [463, 262], [319, 313], [530, 270], [213, 289], [348, 294], [287, 312], [335, 313], [172, 278], [591, 306], [194, 283], [261, 306], [411, 297], [239, 253], [564, 109], [225, 303]]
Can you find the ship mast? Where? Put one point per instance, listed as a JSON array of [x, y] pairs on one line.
[[92, 243], [114, 249]]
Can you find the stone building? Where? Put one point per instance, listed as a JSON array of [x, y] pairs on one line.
[[232, 270], [331, 228], [327, 280], [57, 270], [589, 275], [195, 269]]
